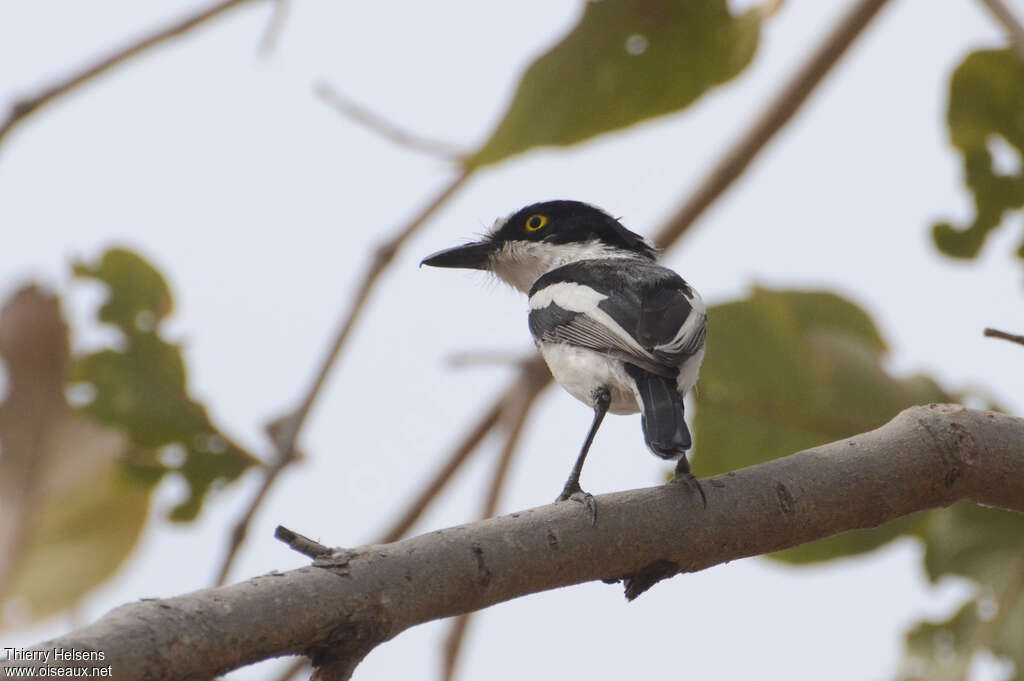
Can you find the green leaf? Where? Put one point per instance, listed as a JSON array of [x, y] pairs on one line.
[[141, 297], [985, 103], [141, 388], [66, 521], [623, 63], [790, 370]]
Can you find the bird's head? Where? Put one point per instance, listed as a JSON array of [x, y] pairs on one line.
[[541, 237]]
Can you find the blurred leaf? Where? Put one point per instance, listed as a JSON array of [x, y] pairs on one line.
[[992, 620], [941, 651], [140, 297], [81, 540], [790, 370], [985, 545], [141, 388], [972, 541], [985, 103], [624, 62], [63, 528]]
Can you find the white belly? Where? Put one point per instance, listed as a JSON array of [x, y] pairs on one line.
[[688, 372], [581, 372]]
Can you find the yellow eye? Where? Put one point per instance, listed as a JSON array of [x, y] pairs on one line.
[[535, 222]]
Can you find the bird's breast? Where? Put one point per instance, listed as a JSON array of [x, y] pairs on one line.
[[581, 372]]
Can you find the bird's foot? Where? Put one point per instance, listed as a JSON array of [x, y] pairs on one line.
[[573, 491], [683, 474]]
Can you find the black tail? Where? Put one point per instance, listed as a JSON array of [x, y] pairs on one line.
[[663, 420]]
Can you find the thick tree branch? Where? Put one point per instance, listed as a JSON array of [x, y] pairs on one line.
[[350, 601]]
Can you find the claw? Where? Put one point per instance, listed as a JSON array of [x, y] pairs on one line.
[[575, 493], [683, 474], [588, 502], [689, 479]]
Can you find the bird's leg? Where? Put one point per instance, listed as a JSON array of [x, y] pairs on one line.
[[683, 473], [602, 398]]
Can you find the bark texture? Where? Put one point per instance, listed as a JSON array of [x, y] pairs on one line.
[[351, 600]]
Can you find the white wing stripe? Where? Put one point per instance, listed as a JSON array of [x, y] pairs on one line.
[[568, 296], [584, 300]]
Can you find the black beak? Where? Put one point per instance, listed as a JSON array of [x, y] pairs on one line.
[[472, 256]]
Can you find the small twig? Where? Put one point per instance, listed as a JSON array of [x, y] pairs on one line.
[[769, 8], [301, 543], [385, 128], [23, 107], [1013, 26], [459, 455], [288, 427], [533, 378], [778, 112], [462, 360], [516, 422], [1013, 338], [457, 632], [272, 31]]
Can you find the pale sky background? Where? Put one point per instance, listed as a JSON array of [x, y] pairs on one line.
[[260, 205]]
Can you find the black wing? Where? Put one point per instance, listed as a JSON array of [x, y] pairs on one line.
[[634, 310]]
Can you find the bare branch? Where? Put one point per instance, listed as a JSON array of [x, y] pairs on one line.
[[533, 378], [385, 128], [286, 429], [22, 108], [926, 457], [1013, 26], [778, 112], [1013, 338], [457, 632]]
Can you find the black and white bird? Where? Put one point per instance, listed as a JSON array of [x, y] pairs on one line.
[[618, 331]]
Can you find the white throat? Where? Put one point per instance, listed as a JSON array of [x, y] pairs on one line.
[[520, 263]]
